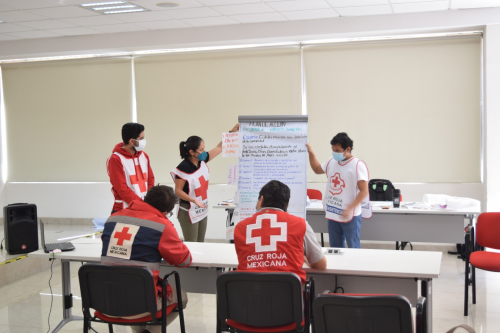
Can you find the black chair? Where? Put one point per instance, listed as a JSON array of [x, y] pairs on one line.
[[355, 313], [263, 302], [121, 291]]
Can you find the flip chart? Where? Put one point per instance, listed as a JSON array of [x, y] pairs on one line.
[[272, 148]]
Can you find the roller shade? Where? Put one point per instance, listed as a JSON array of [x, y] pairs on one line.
[[203, 94], [413, 108], [64, 118]]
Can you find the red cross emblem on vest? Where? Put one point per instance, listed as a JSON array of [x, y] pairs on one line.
[[139, 178], [122, 236], [266, 233], [202, 190], [337, 184]]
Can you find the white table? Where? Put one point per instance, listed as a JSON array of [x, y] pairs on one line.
[[358, 271], [401, 224]]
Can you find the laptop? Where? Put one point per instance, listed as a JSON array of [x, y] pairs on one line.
[[67, 246]]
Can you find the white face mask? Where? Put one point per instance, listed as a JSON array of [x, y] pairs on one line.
[[142, 144]]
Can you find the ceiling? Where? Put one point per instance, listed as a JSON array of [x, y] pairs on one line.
[[29, 19]]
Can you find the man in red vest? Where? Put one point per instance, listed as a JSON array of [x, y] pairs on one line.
[[129, 168], [273, 240]]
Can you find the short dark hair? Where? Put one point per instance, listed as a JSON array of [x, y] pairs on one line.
[[131, 131], [343, 140], [192, 143], [162, 197], [275, 194]]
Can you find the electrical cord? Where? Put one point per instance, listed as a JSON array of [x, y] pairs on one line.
[[336, 288], [50, 288]]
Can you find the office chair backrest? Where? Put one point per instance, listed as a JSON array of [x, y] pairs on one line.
[[260, 299], [117, 290], [314, 194], [488, 230], [362, 314]]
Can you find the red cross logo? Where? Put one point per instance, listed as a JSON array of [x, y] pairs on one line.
[[139, 179], [266, 233], [122, 236], [202, 190], [337, 184]]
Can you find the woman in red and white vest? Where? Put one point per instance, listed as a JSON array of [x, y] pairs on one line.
[[129, 169], [191, 185], [346, 199]]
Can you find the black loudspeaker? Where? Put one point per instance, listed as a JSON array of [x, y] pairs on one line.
[[20, 228]]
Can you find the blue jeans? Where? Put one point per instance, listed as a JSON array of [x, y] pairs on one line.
[[339, 233]]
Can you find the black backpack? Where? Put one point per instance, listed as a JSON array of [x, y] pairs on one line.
[[380, 190]]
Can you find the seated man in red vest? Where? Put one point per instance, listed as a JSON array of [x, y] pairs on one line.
[[273, 240], [141, 235]]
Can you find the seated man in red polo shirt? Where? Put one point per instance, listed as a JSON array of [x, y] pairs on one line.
[[273, 240]]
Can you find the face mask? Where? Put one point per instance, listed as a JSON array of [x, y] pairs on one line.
[[142, 144], [202, 156], [338, 156]]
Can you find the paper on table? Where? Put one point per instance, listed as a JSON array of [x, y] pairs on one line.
[[231, 145], [381, 203]]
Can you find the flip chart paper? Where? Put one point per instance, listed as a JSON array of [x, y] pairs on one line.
[[272, 151]]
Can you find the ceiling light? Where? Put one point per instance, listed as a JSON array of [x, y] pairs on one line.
[[102, 3], [1, 22], [125, 11], [114, 7], [167, 4]]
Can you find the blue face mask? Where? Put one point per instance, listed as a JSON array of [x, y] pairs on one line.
[[338, 156], [202, 156]]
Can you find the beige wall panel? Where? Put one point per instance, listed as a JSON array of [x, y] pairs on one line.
[[64, 118], [203, 94], [412, 108]]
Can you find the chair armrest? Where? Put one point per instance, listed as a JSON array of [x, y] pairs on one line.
[[421, 320]]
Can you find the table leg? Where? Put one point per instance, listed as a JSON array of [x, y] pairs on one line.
[[426, 291], [66, 296]]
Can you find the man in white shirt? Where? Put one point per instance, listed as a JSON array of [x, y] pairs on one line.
[[346, 188]]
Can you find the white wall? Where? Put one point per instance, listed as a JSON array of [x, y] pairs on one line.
[[94, 199], [91, 200], [492, 116], [3, 194]]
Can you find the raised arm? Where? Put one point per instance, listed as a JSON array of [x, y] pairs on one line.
[[217, 150], [315, 165]]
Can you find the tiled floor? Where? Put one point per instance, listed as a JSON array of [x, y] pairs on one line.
[[25, 304]]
